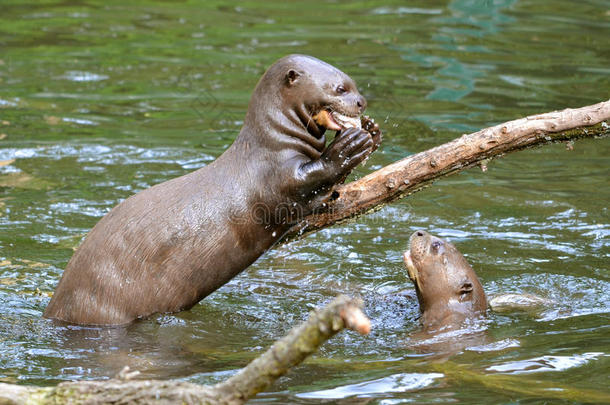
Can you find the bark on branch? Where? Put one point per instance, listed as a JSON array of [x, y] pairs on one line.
[[412, 173], [301, 341]]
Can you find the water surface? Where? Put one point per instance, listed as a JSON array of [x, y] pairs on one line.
[[99, 100]]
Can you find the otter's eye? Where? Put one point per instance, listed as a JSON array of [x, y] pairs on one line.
[[436, 246], [341, 89]]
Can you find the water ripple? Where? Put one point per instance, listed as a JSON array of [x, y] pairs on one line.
[[546, 363], [110, 155], [78, 76], [395, 383], [572, 296]]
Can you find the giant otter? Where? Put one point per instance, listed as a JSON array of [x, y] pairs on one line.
[[167, 247], [447, 288]]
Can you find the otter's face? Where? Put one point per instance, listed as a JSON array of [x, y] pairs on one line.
[[327, 95], [446, 285]]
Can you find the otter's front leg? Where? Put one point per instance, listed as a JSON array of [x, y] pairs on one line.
[[349, 148]]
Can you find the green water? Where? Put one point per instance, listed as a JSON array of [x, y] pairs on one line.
[[99, 100]]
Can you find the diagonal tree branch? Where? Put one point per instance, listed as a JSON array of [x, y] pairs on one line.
[[413, 173]]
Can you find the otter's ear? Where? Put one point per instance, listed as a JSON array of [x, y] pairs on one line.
[[466, 287], [292, 76], [465, 291]]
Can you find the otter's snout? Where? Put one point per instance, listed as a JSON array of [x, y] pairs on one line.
[[422, 243], [351, 103], [361, 103], [418, 244]]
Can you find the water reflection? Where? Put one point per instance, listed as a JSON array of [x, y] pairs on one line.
[[546, 363], [454, 79], [382, 386], [157, 349]]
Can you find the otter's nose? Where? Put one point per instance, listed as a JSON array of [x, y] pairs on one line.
[[417, 236], [361, 103]]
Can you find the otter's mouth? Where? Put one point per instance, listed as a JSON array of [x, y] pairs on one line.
[[336, 121], [412, 270]]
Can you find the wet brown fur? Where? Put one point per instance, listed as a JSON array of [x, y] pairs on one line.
[[169, 246]]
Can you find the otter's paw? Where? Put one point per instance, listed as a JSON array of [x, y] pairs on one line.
[[369, 125], [349, 148]]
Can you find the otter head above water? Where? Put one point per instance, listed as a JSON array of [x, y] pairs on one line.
[[328, 96], [448, 289], [315, 95]]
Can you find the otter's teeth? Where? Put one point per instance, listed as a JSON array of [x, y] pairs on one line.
[[347, 122]]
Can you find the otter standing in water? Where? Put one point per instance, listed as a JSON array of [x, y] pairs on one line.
[[167, 247], [447, 288]]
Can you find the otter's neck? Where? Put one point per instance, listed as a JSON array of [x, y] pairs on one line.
[[274, 124], [441, 318]]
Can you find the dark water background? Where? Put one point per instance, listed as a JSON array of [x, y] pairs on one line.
[[99, 100]]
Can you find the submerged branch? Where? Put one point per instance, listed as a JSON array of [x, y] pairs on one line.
[[301, 341], [413, 173]]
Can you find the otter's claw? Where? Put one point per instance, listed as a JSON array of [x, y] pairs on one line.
[[369, 125]]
